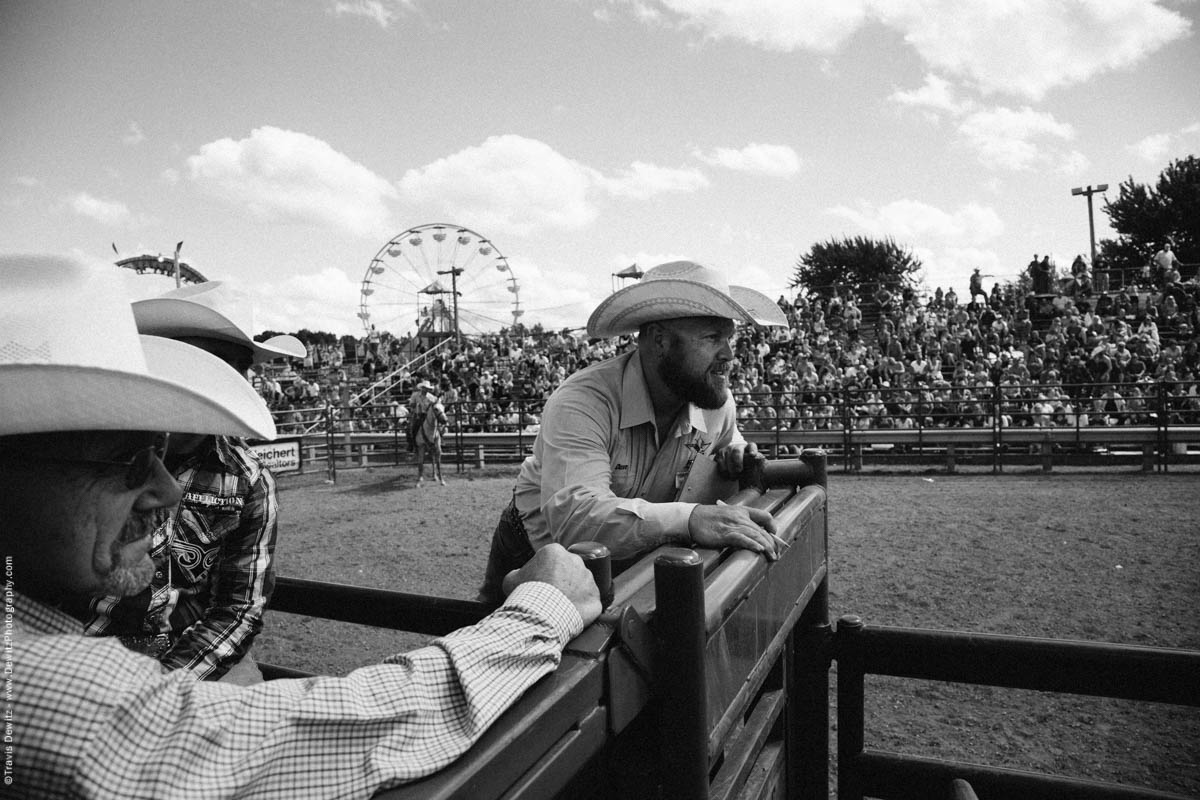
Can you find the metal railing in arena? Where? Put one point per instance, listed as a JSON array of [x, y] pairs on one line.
[[1154, 426], [708, 676]]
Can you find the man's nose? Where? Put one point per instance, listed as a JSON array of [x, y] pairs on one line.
[[162, 491]]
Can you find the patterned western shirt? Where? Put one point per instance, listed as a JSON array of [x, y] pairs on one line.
[[600, 469], [93, 719], [214, 570]]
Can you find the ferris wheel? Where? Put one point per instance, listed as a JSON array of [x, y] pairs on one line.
[[439, 280]]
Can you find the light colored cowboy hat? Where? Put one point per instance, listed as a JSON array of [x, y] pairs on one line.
[[215, 311], [680, 289], [71, 359]]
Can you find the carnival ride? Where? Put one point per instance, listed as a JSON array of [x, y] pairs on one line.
[[161, 265], [439, 281]]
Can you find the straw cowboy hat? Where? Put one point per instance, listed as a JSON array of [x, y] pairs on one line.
[[215, 311], [680, 289], [71, 359]]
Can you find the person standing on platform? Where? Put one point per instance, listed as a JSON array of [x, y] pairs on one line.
[[619, 438]]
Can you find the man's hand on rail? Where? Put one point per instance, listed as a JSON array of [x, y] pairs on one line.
[[565, 571], [732, 458], [720, 525]]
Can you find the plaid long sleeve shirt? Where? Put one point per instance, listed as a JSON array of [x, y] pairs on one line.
[[93, 719], [213, 560]]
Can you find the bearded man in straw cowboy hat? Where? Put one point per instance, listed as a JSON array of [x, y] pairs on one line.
[[617, 439], [214, 557], [83, 401]]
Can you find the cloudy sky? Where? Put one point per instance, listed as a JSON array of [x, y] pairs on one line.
[[287, 142]]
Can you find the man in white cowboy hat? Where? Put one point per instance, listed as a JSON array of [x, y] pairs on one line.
[[214, 558], [618, 438], [83, 402], [428, 422]]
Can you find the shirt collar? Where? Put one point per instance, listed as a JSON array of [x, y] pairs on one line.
[[636, 406]]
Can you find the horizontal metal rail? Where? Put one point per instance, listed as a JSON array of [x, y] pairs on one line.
[[1122, 671], [380, 608], [1128, 672]]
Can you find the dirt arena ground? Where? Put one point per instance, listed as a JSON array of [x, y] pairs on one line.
[[1097, 556]]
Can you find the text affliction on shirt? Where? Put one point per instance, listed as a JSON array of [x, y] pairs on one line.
[[215, 501]]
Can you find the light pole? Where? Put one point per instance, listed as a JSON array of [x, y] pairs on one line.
[[454, 272], [1089, 191]]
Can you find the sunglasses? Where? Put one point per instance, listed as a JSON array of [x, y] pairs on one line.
[[138, 469]]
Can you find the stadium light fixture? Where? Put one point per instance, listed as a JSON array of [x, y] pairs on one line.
[[1088, 192]]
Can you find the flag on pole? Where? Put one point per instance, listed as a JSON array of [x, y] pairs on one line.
[[178, 247]]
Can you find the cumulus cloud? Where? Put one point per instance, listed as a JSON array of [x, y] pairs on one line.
[[382, 12], [1027, 47], [521, 185], [949, 244], [28, 181], [782, 25], [508, 182], [134, 135], [775, 160], [320, 299], [1020, 47], [936, 95], [916, 222], [1157, 147], [284, 175], [643, 181], [107, 212], [1018, 139]]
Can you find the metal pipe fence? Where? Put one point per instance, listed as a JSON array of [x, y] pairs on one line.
[[1144, 424], [1130, 672]]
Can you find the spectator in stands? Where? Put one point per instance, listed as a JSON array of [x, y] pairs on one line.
[[618, 439], [1165, 261], [82, 488], [1109, 408], [213, 556], [976, 285]]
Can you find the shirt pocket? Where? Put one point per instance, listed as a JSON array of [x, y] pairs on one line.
[[624, 476], [207, 525]]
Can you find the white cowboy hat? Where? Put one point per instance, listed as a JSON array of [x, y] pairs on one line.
[[71, 359], [680, 289], [215, 311]]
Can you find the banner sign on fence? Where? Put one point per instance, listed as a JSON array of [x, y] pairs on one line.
[[280, 456]]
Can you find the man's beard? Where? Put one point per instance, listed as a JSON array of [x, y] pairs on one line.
[[693, 388], [127, 578]]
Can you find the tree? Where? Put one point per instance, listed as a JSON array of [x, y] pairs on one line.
[[1144, 217], [309, 338], [859, 264]]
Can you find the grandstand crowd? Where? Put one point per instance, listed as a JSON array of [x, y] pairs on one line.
[[1075, 349]]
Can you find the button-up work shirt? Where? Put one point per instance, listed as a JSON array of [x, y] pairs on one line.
[[92, 719], [600, 469], [214, 570]]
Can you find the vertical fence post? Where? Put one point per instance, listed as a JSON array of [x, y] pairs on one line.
[[521, 416], [1164, 442], [850, 699], [330, 446], [808, 701], [682, 688], [394, 421], [997, 429]]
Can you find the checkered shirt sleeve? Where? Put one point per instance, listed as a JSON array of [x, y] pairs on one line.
[[96, 720]]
